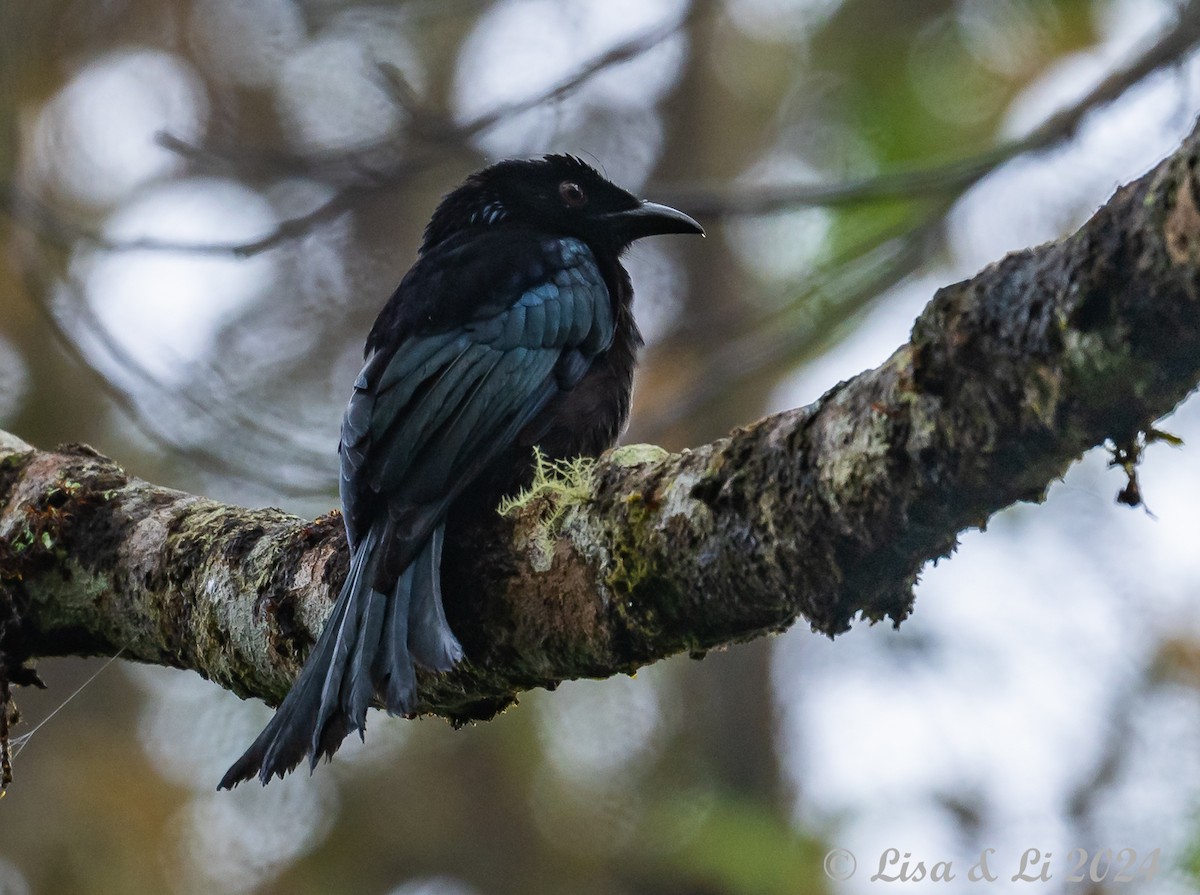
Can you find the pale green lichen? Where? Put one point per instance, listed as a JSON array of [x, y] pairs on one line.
[[637, 454], [562, 481], [558, 485]]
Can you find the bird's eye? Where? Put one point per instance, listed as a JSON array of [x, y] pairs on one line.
[[572, 194]]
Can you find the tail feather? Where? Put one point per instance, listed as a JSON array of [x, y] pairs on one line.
[[366, 650], [284, 742], [357, 594], [432, 642], [394, 665], [359, 688]]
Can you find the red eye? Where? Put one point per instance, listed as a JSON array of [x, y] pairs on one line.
[[572, 194]]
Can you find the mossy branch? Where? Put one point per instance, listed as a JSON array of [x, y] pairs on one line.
[[822, 513]]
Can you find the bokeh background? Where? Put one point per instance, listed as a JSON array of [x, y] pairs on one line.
[[205, 202]]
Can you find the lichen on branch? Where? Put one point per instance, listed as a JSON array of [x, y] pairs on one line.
[[823, 513]]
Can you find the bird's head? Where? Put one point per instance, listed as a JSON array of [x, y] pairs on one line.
[[559, 194]]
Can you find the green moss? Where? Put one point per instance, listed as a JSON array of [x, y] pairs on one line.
[[629, 566], [16, 460], [22, 540], [631, 575], [1094, 368]]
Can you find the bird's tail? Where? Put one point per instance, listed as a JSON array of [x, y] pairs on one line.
[[366, 650]]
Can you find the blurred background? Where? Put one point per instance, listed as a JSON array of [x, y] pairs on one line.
[[205, 203]]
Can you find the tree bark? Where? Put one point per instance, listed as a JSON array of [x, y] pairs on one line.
[[822, 512]]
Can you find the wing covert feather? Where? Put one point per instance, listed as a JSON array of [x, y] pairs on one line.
[[429, 412]]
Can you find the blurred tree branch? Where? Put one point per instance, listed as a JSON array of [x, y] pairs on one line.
[[777, 341], [957, 176], [355, 177], [266, 442], [823, 512], [845, 284], [366, 169], [771, 343], [357, 173]]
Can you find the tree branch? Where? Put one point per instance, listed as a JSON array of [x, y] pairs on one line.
[[363, 171], [954, 177], [821, 512]]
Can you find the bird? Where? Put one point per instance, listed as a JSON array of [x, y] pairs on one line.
[[513, 330]]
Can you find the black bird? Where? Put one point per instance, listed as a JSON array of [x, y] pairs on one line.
[[514, 329]]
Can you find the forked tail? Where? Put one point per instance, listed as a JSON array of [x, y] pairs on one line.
[[366, 651]]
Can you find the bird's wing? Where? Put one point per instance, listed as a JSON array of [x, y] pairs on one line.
[[426, 417]]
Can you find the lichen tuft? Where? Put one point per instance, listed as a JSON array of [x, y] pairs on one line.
[[558, 485]]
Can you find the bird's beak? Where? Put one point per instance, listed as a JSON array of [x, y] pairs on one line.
[[650, 219]]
